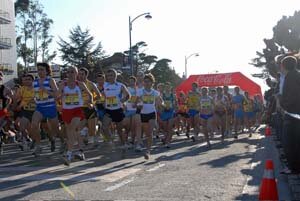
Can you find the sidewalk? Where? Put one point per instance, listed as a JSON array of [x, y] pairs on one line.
[[293, 179], [264, 150]]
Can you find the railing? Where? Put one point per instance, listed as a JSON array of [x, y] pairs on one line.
[[6, 69], [5, 43], [4, 17]]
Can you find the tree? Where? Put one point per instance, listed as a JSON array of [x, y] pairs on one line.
[[163, 72], [33, 28], [35, 15], [81, 50], [285, 40], [46, 40]]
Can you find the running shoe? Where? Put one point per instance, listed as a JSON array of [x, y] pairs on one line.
[[147, 155], [52, 145], [138, 148], [37, 152], [79, 155]]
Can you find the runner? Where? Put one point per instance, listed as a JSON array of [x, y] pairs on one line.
[[89, 108], [116, 94], [168, 112], [159, 123], [237, 101], [5, 101], [206, 112], [229, 109], [258, 106], [193, 111], [25, 95], [181, 115], [221, 104], [45, 90], [138, 135], [71, 92], [100, 103], [131, 117], [248, 112], [149, 99]]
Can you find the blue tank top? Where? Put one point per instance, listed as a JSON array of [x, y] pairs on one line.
[[42, 99]]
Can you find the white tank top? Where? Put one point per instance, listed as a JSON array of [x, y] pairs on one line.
[[72, 98], [113, 94], [148, 99]]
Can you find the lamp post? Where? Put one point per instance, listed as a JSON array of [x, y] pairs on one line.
[[147, 16], [186, 60]]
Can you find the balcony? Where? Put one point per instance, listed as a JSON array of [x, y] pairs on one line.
[[5, 43], [6, 68], [4, 17]]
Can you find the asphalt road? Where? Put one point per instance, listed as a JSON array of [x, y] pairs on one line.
[[186, 171]]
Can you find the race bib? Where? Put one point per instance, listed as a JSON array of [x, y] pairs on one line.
[[111, 101], [41, 95], [101, 100], [147, 99], [182, 108], [193, 101], [205, 104], [168, 104], [132, 99], [30, 106], [72, 99]]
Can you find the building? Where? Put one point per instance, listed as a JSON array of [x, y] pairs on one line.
[[8, 54], [56, 71]]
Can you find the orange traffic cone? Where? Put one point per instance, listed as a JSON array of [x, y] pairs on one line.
[[268, 130], [268, 187]]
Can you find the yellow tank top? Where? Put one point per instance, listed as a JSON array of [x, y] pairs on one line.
[[247, 105], [27, 98], [193, 101], [85, 96]]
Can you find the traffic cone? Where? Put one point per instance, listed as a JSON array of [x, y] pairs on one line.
[[268, 130], [268, 187]]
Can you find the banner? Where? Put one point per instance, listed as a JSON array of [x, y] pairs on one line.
[[221, 79]]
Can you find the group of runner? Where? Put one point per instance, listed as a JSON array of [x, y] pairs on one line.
[[79, 111]]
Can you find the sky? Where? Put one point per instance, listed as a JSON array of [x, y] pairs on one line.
[[225, 34]]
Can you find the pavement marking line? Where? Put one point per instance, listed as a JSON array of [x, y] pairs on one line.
[[118, 185], [66, 188], [84, 174], [115, 176], [156, 167]]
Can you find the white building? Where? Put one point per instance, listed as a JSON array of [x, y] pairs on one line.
[[8, 54]]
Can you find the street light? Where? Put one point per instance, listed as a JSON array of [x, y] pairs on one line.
[[147, 16], [185, 62]]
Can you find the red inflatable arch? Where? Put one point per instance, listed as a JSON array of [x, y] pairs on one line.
[[213, 80]]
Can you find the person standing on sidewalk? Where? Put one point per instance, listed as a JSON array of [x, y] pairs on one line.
[[290, 103]]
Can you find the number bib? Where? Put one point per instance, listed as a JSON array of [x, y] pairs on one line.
[[205, 104], [72, 99], [41, 95], [168, 104], [30, 106], [101, 100], [193, 102], [132, 99], [182, 108], [147, 99], [111, 101]]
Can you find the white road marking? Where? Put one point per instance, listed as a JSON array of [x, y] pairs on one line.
[[118, 185], [156, 167], [76, 174]]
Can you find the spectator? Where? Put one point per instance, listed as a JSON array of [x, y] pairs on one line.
[[289, 101]]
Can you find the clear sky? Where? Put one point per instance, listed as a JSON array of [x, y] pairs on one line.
[[225, 33]]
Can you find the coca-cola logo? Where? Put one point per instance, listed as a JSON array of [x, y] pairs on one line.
[[216, 79]]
